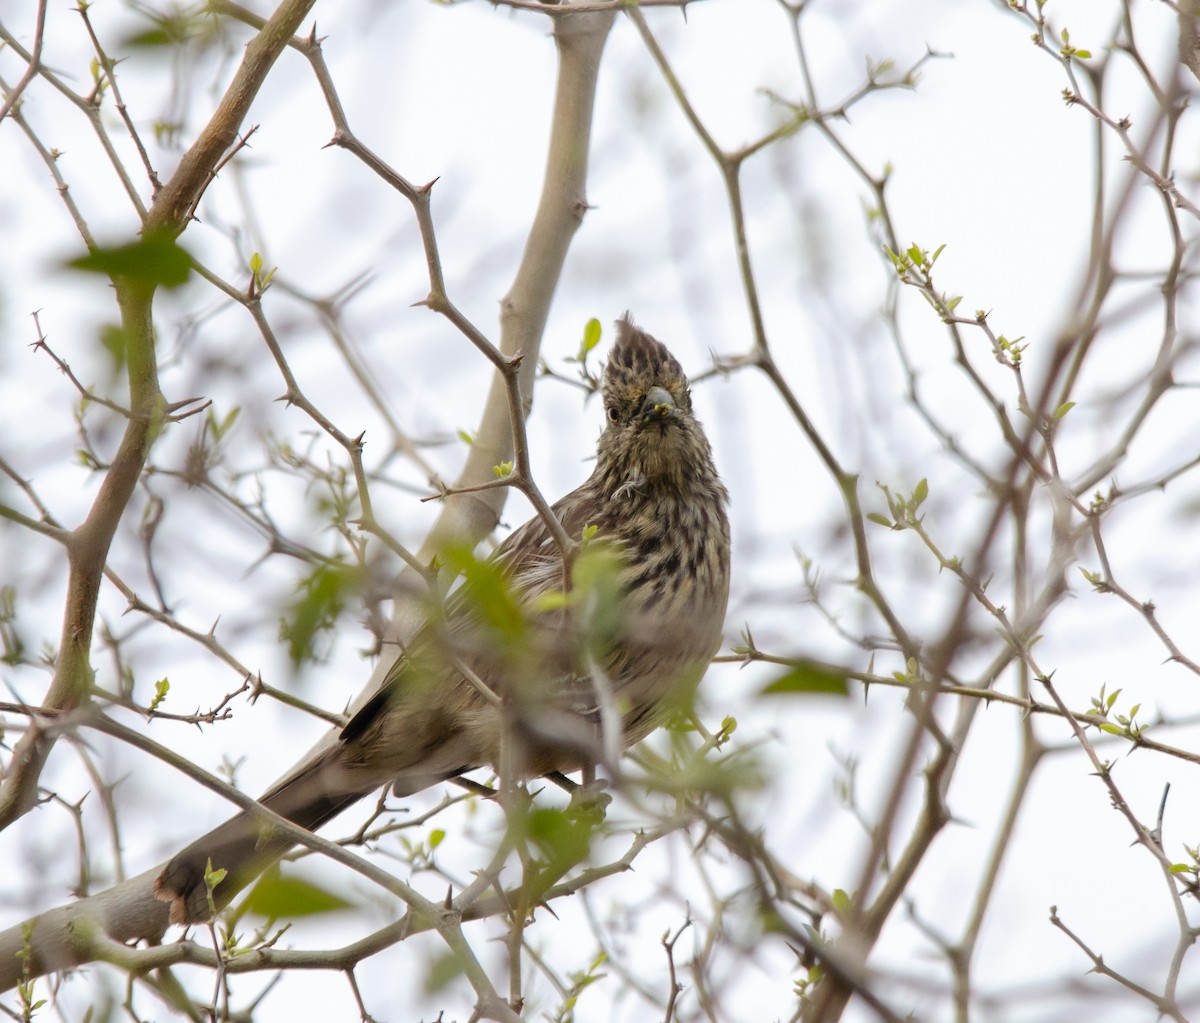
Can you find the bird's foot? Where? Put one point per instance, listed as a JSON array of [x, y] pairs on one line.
[[589, 801]]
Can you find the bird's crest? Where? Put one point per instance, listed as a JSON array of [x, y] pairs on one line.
[[637, 360]]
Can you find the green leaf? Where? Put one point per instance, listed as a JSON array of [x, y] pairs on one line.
[[1063, 409], [161, 688], [323, 598], [280, 897], [562, 840], [116, 342], [189, 25], [220, 427], [591, 338], [488, 590], [920, 492], [841, 901], [808, 679], [550, 600], [212, 878], [151, 37], [155, 259], [444, 971], [436, 837], [881, 520]]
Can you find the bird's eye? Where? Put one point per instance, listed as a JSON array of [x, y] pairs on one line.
[[614, 415]]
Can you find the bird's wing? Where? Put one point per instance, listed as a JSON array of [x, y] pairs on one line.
[[530, 561]]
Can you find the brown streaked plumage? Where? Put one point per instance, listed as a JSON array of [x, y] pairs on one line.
[[658, 507]]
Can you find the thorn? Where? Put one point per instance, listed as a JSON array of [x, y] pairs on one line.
[[175, 406]]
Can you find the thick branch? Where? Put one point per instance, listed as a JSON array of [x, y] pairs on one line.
[[580, 39]]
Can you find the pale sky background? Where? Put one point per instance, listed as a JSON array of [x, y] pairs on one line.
[[987, 160]]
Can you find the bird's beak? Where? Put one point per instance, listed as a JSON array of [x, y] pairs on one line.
[[658, 404]]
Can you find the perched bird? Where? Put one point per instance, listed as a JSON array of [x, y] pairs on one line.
[[518, 674]]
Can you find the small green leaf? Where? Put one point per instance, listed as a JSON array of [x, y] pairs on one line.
[[809, 679], [562, 840], [486, 587], [155, 259], [591, 338], [881, 520], [116, 342], [220, 427], [841, 901], [504, 469], [920, 492], [1179, 868], [550, 600], [256, 263], [161, 688], [442, 972], [436, 837], [1063, 409], [280, 897], [323, 597]]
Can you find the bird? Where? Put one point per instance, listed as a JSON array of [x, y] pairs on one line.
[[517, 670]]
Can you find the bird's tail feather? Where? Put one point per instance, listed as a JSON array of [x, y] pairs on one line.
[[245, 845]]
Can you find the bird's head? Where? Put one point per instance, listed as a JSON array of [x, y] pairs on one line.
[[651, 433]]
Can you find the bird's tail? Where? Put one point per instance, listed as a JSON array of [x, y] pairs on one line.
[[245, 845]]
